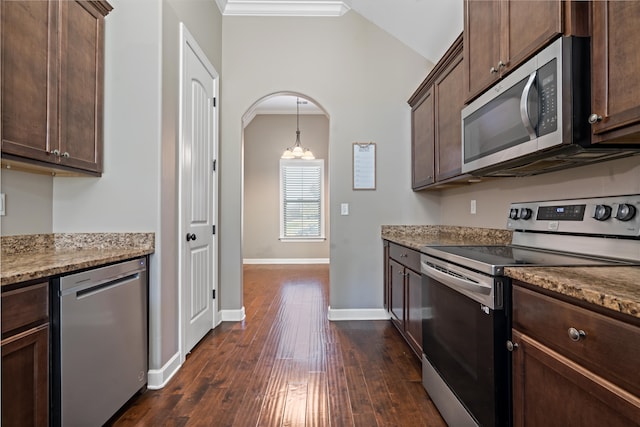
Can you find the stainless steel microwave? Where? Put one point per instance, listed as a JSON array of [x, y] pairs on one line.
[[536, 119]]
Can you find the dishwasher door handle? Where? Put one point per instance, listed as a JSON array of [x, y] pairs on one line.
[[87, 286], [105, 286]]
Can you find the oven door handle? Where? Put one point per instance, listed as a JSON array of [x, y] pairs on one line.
[[455, 282]]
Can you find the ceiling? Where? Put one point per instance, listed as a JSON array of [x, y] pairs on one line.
[[426, 26]]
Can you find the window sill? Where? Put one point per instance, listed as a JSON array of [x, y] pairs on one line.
[[302, 239]]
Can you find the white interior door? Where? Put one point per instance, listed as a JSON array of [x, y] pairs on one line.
[[198, 196]]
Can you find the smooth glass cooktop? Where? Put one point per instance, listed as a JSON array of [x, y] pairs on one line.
[[494, 258]]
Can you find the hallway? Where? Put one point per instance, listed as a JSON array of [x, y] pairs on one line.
[[287, 365]]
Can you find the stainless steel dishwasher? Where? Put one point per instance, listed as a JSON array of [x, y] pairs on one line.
[[99, 342]]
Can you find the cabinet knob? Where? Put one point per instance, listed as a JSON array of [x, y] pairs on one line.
[[576, 334], [403, 255], [501, 64], [66, 154], [511, 346], [493, 70], [56, 152], [595, 118]]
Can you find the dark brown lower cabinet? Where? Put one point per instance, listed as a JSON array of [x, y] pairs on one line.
[[25, 378], [404, 283], [25, 356], [572, 366], [551, 390]]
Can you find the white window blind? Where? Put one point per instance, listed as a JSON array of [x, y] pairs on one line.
[[301, 197]]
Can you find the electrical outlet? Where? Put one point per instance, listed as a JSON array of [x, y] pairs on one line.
[[473, 207]]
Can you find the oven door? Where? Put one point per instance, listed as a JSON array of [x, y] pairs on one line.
[[464, 342]]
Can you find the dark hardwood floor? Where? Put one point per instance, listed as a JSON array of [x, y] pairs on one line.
[[287, 365]]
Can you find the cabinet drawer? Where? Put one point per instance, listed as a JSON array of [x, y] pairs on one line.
[[24, 307], [608, 348], [405, 256]]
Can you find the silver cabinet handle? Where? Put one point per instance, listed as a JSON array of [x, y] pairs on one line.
[[493, 70], [56, 152], [501, 64], [576, 334], [66, 154], [511, 346], [595, 118]]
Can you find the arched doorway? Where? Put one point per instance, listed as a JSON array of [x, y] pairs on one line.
[[269, 127]]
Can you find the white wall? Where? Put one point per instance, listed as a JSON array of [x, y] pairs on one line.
[[28, 199], [265, 138], [362, 77], [493, 197]]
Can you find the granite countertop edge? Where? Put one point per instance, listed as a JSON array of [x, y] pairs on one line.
[[32, 257], [614, 288]]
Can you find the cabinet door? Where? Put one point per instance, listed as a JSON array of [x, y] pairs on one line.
[[81, 85], [615, 64], [396, 293], [25, 362], [481, 45], [449, 96], [531, 24], [29, 79], [551, 390], [414, 310], [423, 142]]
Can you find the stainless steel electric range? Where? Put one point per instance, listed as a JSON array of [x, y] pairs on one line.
[[466, 296]]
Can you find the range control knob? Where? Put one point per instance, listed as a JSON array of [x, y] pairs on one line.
[[513, 213], [625, 212], [525, 213], [602, 212]]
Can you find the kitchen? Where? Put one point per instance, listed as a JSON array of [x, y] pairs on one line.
[[360, 66]]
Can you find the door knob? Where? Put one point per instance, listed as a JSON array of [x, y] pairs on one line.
[[191, 236]]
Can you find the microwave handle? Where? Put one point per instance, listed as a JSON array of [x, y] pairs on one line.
[[524, 106]]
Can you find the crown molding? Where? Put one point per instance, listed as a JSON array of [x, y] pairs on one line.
[[282, 8]]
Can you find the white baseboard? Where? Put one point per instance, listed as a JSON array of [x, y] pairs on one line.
[[337, 314], [233, 315], [158, 378], [285, 261]]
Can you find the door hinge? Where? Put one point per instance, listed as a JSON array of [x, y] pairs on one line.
[[213, 100], [213, 163], [213, 294], [214, 229]]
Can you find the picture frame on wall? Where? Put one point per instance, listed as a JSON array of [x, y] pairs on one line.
[[364, 165]]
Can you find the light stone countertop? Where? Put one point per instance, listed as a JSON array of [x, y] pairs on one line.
[[615, 288], [33, 257], [418, 236]]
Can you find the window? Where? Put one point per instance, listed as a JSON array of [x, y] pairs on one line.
[[301, 200]]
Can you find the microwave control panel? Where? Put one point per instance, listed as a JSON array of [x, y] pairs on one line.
[[548, 90]]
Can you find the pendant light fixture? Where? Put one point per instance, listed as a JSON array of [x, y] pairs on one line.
[[297, 151]]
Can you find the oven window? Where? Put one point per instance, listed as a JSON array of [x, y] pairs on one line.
[[466, 346]]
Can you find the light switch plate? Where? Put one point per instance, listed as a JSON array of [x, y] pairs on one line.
[[344, 208], [473, 207], [3, 212]]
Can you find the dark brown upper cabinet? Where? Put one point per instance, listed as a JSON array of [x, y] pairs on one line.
[[52, 85], [615, 80], [499, 35]]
